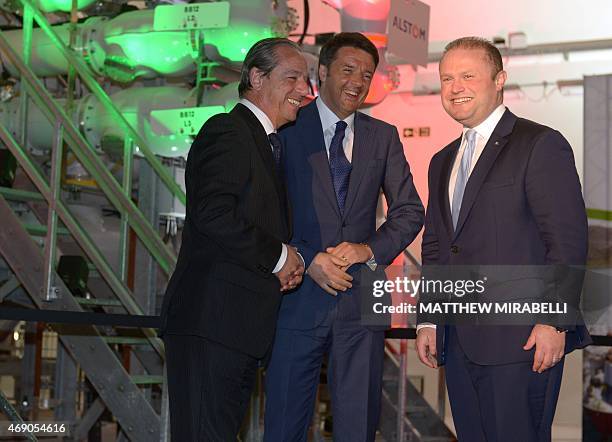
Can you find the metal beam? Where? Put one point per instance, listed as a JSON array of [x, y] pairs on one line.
[[90, 160], [546, 48], [8, 287], [90, 417], [105, 372], [12, 414], [418, 421], [88, 246], [83, 70], [20, 195], [65, 388]]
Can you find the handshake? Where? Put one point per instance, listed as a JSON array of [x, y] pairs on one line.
[[290, 275], [327, 269]]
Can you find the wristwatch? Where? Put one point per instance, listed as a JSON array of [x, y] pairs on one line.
[[371, 263]]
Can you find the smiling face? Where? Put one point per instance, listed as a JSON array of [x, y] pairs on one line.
[[280, 92], [346, 82], [469, 90]]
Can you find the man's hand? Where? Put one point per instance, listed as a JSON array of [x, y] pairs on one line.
[[549, 344], [326, 270], [426, 346], [351, 253], [290, 275]]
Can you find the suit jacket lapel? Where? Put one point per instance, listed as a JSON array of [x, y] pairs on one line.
[[363, 150], [312, 136], [445, 172], [498, 139]]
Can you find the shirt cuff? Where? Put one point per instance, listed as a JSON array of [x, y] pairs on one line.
[[425, 325], [281, 260]]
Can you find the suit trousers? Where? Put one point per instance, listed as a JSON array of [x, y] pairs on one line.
[[500, 403], [354, 381], [209, 387]]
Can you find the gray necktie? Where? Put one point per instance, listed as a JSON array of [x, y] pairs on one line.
[[463, 174]]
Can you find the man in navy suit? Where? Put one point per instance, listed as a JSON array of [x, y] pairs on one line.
[[337, 161], [505, 193]]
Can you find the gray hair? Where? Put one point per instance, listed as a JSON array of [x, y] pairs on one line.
[[262, 56]]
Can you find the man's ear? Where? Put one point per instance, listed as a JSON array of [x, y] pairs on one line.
[[322, 73], [500, 80], [256, 78]]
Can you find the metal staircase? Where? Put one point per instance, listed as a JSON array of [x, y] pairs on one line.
[[91, 347]]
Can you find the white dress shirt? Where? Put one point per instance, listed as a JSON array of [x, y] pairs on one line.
[[483, 132], [269, 128], [328, 124]]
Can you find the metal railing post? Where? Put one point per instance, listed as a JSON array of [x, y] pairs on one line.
[[401, 390], [164, 429], [124, 230], [50, 291], [28, 24], [90, 81]]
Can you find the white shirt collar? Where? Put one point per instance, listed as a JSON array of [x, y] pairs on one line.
[[486, 128], [329, 118], [261, 115]]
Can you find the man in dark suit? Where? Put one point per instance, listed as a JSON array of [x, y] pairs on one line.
[[220, 308], [337, 162], [505, 193]]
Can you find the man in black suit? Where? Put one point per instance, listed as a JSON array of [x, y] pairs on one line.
[[220, 308], [505, 193]]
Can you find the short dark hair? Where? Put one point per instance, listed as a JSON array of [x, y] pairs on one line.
[[491, 52], [262, 56], [344, 39]]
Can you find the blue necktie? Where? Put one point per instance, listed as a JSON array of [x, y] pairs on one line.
[[277, 148], [339, 166], [463, 174]]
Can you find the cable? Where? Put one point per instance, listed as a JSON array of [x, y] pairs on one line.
[[306, 21]]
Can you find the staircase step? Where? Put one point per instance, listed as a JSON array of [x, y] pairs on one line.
[[127, 340], [20, 195], [40, 230], [147, 379], [98, 302]]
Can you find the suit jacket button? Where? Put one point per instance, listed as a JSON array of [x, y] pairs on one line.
[[454, 249]]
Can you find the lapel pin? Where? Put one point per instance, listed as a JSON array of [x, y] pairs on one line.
[[497, 143]]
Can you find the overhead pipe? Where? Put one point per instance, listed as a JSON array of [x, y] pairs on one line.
[[128, 46]]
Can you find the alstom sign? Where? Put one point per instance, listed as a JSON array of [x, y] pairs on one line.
[[408, 32]]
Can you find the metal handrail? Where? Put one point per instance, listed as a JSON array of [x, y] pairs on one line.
[[413, 259], [88, 78], [123, 293], [13, 415], [165, 257], [149, 237]]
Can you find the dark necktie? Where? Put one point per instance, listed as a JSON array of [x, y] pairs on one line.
[[339, 166], [277, 148]]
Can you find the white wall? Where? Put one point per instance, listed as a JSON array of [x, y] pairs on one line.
[[544, 21]]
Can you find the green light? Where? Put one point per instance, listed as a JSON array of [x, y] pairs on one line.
[[234, 41], [61, 5], [164, 52]]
